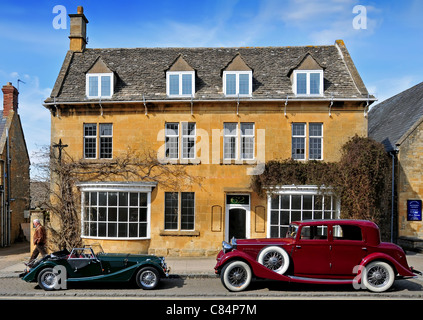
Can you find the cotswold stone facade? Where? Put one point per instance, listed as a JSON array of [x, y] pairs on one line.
[[398, 123], [14, 169], [220, 113]]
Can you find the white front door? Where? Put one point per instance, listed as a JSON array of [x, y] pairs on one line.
[[237, 216]]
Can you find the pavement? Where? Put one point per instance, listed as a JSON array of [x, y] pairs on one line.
[[12, 260]]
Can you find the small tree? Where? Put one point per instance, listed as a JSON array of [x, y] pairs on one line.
[[64, 173]]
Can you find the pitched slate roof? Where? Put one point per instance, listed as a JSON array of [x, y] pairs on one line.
[[142, 71], [391, 120]]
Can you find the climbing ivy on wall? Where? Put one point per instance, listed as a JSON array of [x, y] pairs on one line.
[[361, 179]]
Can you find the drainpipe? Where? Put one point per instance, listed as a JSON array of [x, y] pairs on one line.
[[393, 154]]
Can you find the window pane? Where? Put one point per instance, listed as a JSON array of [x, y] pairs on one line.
[[230, 84], [315, 149], [229, 140], [106, 86], [174, 84], [298, 148], [301, 83], [315, 129], [90, 140], [244, 84], [298, 129], [187, 211], [188, 140], [314, 83], [111, 216], [172, 140], [93, 86], [186, 84], [171, 210]]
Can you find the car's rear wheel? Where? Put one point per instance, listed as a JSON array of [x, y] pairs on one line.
[[236, 275], [48, 279], [274, 258], [148, 278], [378, 276]]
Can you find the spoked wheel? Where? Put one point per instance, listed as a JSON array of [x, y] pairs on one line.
[[148, 278], [236, 276], [378, 276], [47, 279], [274, 258]]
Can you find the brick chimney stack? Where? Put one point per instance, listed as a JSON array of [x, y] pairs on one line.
[[78, 30], [10, 99]]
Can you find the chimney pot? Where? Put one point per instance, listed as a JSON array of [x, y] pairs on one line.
[[10, 99], [78, 30]]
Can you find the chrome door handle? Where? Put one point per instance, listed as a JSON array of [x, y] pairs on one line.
[[364, 248], [298, 247]]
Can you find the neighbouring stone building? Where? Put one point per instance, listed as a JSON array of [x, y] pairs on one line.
[[14, 170], [398, 123], [218, 112]]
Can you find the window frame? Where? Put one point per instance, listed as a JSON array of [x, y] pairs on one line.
[[237, 83], [225, 136], [94, 188], [180, 75], [167, 153], [99, 77], [323, 209], [246, 136], [179, 214], [304, 137], [308, 83], [315, 137], [193, 150], [98, 140]]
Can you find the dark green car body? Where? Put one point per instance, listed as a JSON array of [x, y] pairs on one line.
[[99, 267]]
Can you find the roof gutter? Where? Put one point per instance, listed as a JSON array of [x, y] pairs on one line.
[[103, 102]]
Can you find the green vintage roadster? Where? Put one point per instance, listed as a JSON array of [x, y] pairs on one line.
[[91, 264]]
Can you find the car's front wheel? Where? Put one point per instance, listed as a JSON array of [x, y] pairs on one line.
[[148, 278], [236, 276], [378, 276], [48, 279]]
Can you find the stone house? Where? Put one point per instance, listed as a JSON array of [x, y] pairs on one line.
[[14, 170], [398, 123], [220, 113]]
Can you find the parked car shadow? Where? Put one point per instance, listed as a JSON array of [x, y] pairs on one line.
[[164, 284], [273, 285]]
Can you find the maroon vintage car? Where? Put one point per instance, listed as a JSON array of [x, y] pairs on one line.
[[316, 251]]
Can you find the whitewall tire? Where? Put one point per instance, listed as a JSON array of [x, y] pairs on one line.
[[274, 258]]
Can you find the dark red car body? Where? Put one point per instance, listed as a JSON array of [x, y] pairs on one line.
[[320, 259]]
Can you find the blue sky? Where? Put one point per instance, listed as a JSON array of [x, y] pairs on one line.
[[387, 53]]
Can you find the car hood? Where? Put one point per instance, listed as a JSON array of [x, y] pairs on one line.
[[263, 241], [127, 256]]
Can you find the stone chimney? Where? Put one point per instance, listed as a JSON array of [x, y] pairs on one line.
[[78, 30], [10, 99]]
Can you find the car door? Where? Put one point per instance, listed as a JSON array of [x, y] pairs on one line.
[[348, 248], [311, 255]]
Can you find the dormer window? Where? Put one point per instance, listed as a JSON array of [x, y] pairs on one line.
[[237, 78], [180, 83], [99, 81], [237, 83], [99, 85], [308, 82], [180, 79]]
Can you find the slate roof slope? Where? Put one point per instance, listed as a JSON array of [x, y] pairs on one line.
[[142, 72], [391, 120]]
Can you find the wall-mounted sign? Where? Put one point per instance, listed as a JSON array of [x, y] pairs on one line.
[[414, 210], [238, 199]]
